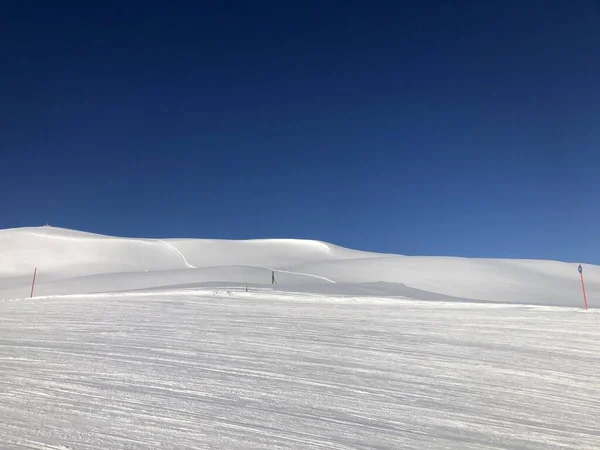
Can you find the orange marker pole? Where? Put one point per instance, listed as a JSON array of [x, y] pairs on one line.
[[33, 282], [583, 287]]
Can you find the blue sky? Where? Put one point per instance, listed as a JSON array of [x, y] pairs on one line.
[[431, 128]]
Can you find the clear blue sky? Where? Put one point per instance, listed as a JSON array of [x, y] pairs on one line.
[[434, 128]]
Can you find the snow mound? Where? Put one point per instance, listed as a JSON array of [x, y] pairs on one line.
[[261, 252], [72, 253]]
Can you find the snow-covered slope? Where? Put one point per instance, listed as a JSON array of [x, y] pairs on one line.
[[236, 370], [72, 262], [73, 253], [498, 280], [182, 357]]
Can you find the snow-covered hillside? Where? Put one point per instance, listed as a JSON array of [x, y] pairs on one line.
[[72, 262], [147, 344]]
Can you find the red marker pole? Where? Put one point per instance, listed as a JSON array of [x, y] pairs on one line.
[[583, 288], [33, 282]]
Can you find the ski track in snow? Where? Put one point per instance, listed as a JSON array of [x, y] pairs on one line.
[[318, 277], [176, 250], [265, 371], [189, 266]]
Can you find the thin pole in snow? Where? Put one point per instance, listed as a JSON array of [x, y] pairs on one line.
[[33, 282], [580, 269]]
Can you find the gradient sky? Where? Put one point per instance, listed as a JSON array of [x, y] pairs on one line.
[[429, 128]]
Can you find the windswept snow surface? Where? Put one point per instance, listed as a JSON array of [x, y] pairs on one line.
[[142, 343], [229, 369]]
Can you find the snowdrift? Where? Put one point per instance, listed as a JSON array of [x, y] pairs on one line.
[[73, 262]]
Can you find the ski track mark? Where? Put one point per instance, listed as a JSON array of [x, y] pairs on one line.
[[178, 252], [318, 277]]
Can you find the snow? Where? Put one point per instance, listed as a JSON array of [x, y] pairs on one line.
[[141, 343], [72, 262], [227, 369]]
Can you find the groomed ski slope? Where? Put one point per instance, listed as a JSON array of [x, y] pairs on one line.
[[269, 370], [143, 344]]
